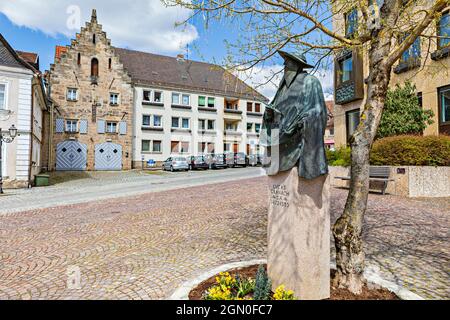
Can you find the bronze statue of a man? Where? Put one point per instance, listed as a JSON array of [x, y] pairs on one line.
[[295, 121]]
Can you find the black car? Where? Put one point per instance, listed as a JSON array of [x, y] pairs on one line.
[[216, 161], [198, 162]]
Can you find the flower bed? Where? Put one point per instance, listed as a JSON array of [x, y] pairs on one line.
[[248, 283]]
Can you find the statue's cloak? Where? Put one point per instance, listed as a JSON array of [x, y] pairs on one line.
[[298, 114]]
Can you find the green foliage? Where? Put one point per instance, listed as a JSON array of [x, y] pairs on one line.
[[244, 286], [410, 150], [341, 157], [263, 285], [402, 113]]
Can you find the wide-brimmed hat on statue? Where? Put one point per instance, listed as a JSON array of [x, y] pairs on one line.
[[299, 58]]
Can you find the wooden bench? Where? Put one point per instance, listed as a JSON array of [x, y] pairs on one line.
[[378, 174]]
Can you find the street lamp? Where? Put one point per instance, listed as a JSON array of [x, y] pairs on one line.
[[11, 135]]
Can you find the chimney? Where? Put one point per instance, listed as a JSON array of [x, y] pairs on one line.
[[94, 16]]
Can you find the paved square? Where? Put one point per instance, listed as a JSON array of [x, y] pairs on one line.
[[145, 246]]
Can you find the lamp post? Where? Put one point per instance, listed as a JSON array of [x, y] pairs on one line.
[[11, 135]]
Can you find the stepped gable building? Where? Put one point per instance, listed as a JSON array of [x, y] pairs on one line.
[[93, 98]]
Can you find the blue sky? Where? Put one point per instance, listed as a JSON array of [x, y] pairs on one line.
[[37, 26]]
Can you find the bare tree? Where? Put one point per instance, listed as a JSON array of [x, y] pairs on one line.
[[385, 30]]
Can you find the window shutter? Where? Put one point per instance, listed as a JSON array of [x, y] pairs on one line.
[[59, 128], [100, 126], [123, 128], [83, 126]]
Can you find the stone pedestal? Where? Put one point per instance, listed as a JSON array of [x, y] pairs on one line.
[[299, 234]]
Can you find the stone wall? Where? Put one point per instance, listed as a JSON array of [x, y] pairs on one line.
[[73, 70], [409, 181]]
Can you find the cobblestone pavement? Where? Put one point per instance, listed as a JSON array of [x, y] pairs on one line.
[[78, 187], [145, 246]]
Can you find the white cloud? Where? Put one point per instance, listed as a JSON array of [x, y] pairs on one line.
[[139, 24], [266, 79], [326, 78]]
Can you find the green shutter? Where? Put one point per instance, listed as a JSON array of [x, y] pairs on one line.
[[201, 101]]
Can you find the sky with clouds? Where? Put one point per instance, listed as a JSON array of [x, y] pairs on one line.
[[146, 25]]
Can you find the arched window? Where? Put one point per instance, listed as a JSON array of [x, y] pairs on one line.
[[93, 39], [79, 59], [94, 67], [110, 63]]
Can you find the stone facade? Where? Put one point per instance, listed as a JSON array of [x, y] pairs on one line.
[[75, 68]]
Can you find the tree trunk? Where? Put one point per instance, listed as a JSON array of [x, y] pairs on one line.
[[348, 229]]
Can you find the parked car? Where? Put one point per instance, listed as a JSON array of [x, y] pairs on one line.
[[229, 159], [197, 162], [253, 160], [240, 159], [216, 161], [176, 164]]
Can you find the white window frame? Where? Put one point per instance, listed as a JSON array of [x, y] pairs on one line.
[[153, 96], [161, 121], [200, 124], [176, 94], [172, 126], [5, 95], [213, 126], [180, 150], [107, 126], [111, 99], [160, 148], [71, 98], [184, 95], [149, 145], [150, 95], [182, 123], [207, 102], [149, 122], [72, 121]]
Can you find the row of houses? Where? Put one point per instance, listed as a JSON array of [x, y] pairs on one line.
[[105, 108]]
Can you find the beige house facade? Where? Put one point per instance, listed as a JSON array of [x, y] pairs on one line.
[[426, 64], [22, 104]]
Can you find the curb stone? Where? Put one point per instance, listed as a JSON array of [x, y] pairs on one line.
[[182, 293]]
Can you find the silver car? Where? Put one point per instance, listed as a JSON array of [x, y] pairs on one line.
[[176, 164]]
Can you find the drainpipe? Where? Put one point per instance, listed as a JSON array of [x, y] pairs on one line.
[[31, 133]]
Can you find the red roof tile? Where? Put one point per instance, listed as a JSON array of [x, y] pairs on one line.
[[59, 51]]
